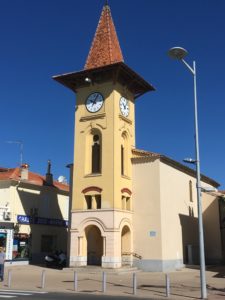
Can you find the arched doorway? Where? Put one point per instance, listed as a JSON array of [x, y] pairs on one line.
[[126, 246], [94, 245]]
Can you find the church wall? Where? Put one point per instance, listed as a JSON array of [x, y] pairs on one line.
[[212, 233], [175, 205], [179, 217], [165, 219], [147, 219]]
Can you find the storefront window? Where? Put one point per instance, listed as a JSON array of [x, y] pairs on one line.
[[21, 246], [3, 240]]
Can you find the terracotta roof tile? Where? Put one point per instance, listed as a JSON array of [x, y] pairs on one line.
[[142, 153], [105, 48], [33, 178]]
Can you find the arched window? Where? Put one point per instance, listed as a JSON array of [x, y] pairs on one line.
[[92, 197], [93, 152], [126, 199], [190, 191], [93, 201], [122, 159], [96, 155], [124, 154]]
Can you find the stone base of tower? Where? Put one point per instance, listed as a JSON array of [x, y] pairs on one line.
[[78, 261], [107, 262], [101, 238], [111, 262]]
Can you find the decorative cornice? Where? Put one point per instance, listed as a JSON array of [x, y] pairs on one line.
[[125, 119], [92, 117]]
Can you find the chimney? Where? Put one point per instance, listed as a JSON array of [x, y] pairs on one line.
[[49, 177], [24, 170]]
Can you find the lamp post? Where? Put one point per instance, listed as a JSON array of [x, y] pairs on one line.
[[179, 53]]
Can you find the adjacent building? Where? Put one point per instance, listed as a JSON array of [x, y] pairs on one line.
[[33, 214]]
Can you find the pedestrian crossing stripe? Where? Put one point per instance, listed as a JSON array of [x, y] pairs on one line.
[[21, 291], [9, 294], [14, 293]]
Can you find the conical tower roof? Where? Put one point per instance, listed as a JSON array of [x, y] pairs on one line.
[[105, 48]]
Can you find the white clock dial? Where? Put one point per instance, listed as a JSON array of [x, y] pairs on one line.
[[94, 102], [124, 106]]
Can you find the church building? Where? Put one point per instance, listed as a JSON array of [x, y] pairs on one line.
[[124, 211]]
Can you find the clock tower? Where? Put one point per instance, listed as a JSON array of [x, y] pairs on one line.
[[101, 231]]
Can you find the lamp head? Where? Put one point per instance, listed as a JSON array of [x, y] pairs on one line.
[[177, 53], [189, 160], [87, 79]]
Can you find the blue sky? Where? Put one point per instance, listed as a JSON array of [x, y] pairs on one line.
[[43, 38]]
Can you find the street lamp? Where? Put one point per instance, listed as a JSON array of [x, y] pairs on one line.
[[179, 53]]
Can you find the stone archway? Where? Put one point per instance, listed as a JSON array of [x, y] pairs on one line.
[[126, 254], [94, 245]]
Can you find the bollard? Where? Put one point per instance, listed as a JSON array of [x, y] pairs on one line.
[[43, 279], [75, 281], [103, 282], [134, 284], [167, 286], [9, 278]]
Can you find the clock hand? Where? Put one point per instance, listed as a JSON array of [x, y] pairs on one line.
[[94, 101]]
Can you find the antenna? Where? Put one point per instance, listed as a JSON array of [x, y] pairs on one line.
[[62, 179], [21, 149]]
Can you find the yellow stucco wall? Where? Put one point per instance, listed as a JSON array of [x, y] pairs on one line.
[[175, 200], [175, 203], [111, 126], [211, 221], [163, 198], [146, 209]]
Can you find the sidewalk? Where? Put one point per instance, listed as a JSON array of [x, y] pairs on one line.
[[184, 284]]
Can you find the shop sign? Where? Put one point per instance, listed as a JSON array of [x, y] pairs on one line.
[[22, 219], [6, 225]]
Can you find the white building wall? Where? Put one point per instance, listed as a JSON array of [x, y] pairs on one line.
[[19, 199]]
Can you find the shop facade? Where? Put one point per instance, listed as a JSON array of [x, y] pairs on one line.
[[33, 215]]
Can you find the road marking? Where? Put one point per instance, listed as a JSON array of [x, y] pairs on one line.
[[13, 293], [22, 291]]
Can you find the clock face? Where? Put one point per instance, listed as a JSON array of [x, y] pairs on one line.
[[124, 106], [94, 102]]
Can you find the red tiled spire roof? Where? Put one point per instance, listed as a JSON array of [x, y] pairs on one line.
[[105, 48]]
